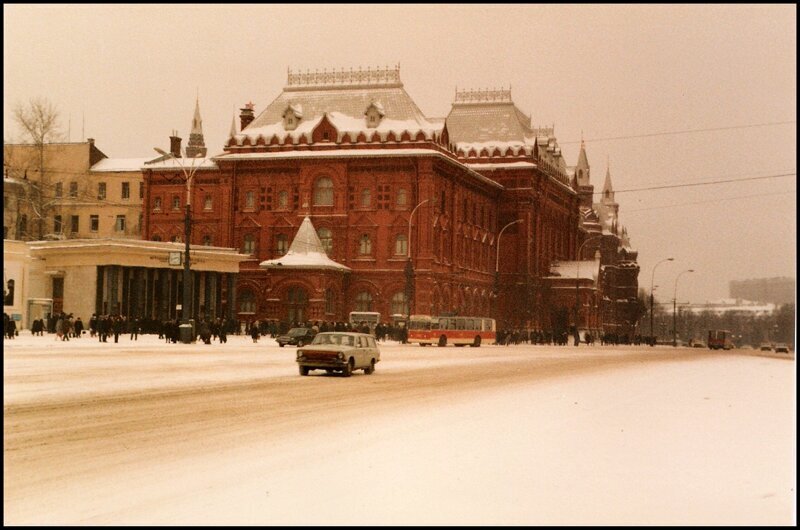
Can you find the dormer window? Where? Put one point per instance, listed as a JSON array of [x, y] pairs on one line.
[[374, 114], [292, 116]]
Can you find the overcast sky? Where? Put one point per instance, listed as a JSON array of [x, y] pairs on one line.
[[128, 75]]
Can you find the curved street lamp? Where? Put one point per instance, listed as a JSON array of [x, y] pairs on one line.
[[186, 328], [674, 309], [652, 277], [409, 264], [577, 290], [497, 260]]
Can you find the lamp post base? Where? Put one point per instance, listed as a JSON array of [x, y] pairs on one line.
[[186, 332]]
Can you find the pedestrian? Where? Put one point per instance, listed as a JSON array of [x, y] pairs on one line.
[[134, 325], [93, 325], [254, 333], [60, 328], [12, 328], [223, 332], [78, 327], [116, 327]]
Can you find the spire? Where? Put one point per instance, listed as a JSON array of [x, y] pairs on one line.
[[608, 190], [196, 146], [305, 252], [582, 167], [233, 127]]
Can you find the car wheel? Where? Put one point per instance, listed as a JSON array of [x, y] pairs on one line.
[[347, 371], [477, 342], [280, 344], [442, 341], [304, 370], [371, 368]]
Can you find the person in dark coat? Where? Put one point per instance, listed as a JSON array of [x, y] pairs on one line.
[[135, 324], [223, 332], [254, 331], [204, 331], [78, 327]]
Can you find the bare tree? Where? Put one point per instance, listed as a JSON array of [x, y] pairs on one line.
[[38, 119]]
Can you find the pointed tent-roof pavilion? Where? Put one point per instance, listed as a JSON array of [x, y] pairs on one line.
[[305, 252]]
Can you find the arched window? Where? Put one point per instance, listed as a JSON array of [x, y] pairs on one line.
[[363, 301], [399, 305], [323, 192], [208, 203], [326, 238], [297, 299], [366, 198], [365, 245], [247, 302], [281, 244], [250, 200], [401, 245], [283, 199], [249, 244]]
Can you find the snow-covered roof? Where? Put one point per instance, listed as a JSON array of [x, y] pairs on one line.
[[356, 153], [344, 124], [305, 252], [182, 163], [108, 165], [344, 96], [584, 269], [494, 118]]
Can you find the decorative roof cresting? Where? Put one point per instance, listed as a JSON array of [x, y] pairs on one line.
[[483, 96], [369, 77]]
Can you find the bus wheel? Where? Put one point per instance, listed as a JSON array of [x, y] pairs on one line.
[[477, 342], [442, 341]]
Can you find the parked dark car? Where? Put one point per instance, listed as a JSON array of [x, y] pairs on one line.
[[296, 337], [781, 347]]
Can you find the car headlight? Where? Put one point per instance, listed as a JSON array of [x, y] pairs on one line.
[[300, 354]]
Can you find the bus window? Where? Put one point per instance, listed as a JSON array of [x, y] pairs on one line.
[[460, 322], [443, 323]]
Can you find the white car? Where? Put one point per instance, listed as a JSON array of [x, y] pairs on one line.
[[339, 352]]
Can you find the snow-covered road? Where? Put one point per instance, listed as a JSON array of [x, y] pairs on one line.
[[145, 432]]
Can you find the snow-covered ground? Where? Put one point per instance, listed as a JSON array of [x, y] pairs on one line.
[[520, 435]]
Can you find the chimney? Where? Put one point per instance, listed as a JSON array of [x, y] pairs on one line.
[[175, 144], [246, 116], [90, 140]]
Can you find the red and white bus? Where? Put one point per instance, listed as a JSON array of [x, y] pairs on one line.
[[444, 330]]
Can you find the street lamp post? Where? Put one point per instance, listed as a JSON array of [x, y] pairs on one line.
[[187, 326], [652, 337], [497, 261], [409, 264], [577, 290], [674, 310]]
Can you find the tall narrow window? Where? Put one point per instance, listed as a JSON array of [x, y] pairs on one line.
[[323, 192], [207, 203], [401, 198], [101, 191], [73, 190], [283, 199], [59, 190], [366, 198], [126, 191], [57, 224], [326, 238], [249, 244], [365, 245], [157, 204], [250, 200], [401, 245], [94, 223], [399, 305], [119, 226], [281, 244], [176, 202], [74, 224]]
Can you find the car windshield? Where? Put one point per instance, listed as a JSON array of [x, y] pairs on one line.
[[338, 339], [296, 332]]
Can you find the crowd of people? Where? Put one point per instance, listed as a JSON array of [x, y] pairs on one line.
[[274, 328]]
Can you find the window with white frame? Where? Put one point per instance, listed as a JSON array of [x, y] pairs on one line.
[[323, 192]]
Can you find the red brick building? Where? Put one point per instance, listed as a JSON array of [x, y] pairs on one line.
[[464, 214]]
